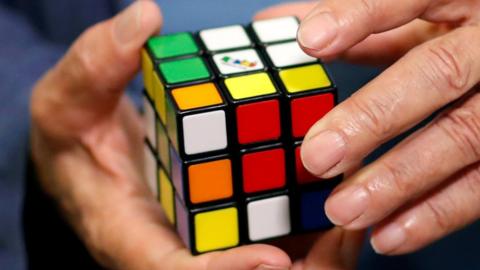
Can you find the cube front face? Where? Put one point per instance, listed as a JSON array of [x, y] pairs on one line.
[[226, 111]]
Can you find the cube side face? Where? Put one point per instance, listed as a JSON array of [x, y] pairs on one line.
[[231, 107]]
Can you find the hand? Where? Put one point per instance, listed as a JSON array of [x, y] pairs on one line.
[[87, 145], [428, 186]]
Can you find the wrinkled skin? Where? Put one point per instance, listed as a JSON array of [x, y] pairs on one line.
[[429, 185], [87, 147]]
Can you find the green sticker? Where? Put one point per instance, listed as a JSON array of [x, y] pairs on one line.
[[184, 70], [172, 45]]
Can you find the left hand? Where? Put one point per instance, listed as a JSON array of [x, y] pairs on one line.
[[429, 185]]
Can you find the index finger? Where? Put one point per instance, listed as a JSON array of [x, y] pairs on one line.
[[334, 26]]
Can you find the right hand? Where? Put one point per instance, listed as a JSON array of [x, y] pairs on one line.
[[87, 144]]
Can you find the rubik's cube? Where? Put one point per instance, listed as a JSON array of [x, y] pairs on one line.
[[226, 110]]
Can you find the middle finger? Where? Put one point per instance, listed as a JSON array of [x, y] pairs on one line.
[[426, 79]]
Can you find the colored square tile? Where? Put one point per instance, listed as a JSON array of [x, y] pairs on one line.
[[238, 62], [172, 127], [184, 70], [204, 132], [302, 176], [150, 170], [263, 170], [149, 122], [258, 121], [268, 218], [225, 38], [277, 29], [312, 210], [147, 71], [160, 103], [177, 172], [210, 181], [167, 196], [288, 54], [305, 78], [172, 45], [183, 222], [197, 96], [306, 111], [247, 86], [163, 146], [216, 229]]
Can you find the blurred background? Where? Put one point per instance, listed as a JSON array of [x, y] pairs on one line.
[[34, 34]]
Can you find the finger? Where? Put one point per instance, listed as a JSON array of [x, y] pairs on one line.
[[428, 77], [448, 209], [411, 169], [389, 46], [335, 249], [298, 9], [87, 83], [334, 26]]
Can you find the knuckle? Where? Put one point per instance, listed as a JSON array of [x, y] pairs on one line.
[[440, 211], [372, 115], [368, 8], [87, 67], [446, 68], [398, 177], [473, 181], [462, 126]]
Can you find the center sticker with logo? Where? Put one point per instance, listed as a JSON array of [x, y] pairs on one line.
[[238, 62]]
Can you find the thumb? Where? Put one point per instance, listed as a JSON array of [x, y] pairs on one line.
[[250, 257], [299, 9], [334, 249], [86, 84]]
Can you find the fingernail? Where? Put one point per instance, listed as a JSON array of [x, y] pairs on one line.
[[322, 152], [127, 23], [318, 31], [270, 267], [347, 205], [388, 239]]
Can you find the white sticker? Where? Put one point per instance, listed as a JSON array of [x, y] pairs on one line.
[[268, 218], [278, 29], [288, 54], [238, 61], [223, 38], [204, 132]]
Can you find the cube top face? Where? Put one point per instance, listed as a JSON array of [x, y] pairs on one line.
[[276, 30], [173, 45], [197, 96], [227, 110], [225, 38], [184, 70], [248, 86]]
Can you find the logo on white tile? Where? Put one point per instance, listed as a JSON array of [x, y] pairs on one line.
[[238, 61]]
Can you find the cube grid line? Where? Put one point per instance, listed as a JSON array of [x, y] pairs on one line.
[[226, 110]]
